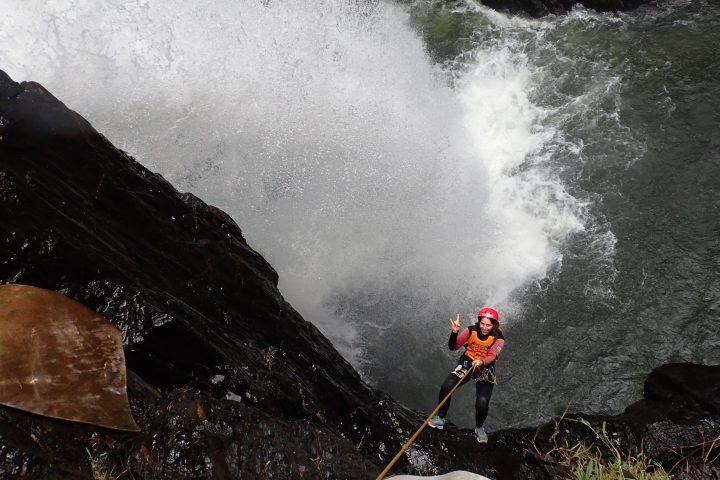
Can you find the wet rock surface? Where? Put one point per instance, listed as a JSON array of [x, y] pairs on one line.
[[225, 379]]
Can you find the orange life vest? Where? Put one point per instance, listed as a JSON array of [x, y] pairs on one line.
[[477, 349]]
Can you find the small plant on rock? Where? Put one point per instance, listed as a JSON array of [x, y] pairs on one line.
[[592, 462], [269, 355], [100, 468], [318, 462]]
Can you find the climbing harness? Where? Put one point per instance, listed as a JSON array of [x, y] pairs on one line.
[[486, 374], [483, 374], [415, 435]]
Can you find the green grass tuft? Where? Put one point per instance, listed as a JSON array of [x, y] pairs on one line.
[[602, 460]]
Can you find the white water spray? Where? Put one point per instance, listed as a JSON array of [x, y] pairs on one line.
[[325, 131]]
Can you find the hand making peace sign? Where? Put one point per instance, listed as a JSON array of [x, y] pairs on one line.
[[455, 325]]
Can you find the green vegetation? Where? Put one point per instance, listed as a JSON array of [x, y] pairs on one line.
[[603, 461], [318, 462], [100, 468], [356, 446], [269, 354]]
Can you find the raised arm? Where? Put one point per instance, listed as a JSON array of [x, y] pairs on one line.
[[456, 341]]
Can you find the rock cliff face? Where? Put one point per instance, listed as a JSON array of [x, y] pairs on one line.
[[225, 379]]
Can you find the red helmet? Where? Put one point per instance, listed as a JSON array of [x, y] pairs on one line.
[[490, 313]]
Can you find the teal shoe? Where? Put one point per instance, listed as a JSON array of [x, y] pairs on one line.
[[437, 422], [480, 435]]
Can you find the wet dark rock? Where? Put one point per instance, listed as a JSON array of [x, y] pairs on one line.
[[225, 379], [686, 386]]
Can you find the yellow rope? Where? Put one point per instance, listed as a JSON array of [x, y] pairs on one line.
[[484, 377], [412, 439]]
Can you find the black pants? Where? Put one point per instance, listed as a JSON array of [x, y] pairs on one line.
[[483, 391]]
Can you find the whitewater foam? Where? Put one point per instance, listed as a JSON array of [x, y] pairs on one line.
[[326, 132]]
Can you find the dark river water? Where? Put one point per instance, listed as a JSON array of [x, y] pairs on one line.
[[651, 169], [401, 163]]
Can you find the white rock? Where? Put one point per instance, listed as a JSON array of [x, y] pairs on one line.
[[457, 475]]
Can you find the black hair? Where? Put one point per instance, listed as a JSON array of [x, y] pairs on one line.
[[495, 326]]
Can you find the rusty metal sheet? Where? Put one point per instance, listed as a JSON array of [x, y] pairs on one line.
[[61, 359]]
